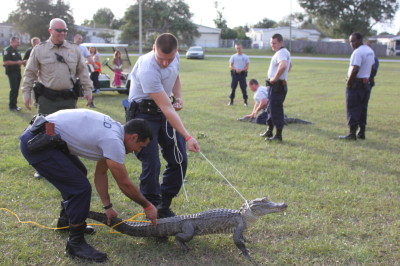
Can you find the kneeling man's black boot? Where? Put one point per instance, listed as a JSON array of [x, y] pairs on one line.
[[163, 208], [77, 246], [64, 222]]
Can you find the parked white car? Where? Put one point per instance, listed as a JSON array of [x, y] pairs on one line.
[[195, 52]]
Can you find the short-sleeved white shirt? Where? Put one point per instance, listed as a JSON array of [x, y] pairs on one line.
[[363, 57], [84, 51], [281, 55], [239, 60], [90, 134], [261, 93], [148, 77]]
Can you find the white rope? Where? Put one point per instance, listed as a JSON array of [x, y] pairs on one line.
[[179, 159], [225, 179], [178, 155]]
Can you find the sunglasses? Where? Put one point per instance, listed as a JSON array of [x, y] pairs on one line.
[[61, 30]]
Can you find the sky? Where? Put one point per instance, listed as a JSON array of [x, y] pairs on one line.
[[236, 12]]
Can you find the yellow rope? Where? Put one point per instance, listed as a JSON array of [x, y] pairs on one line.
[[132, 219]]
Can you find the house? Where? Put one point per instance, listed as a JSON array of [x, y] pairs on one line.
[[99, 35], [392, 43], [7, 31], [209, 37], [261, 37]]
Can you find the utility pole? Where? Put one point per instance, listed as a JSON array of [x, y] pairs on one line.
[[290, 27], [140, 27]]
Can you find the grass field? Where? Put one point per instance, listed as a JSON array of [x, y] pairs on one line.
[[343, 197]]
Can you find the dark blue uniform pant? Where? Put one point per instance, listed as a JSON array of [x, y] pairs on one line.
[[67, 173], [357, 99], [241, 79], [149, 156], [262, 117], [277, 95], [14, 78]]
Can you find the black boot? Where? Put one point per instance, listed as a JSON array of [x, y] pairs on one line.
[[64, 222], [268, 133], [351, 135], [163, 208], [277, 137], [361, 133], [77, 246], [245, 103]]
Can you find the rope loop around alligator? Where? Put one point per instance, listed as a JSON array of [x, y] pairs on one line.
[[132, 219]]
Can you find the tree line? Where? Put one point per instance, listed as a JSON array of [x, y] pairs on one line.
[[333, 18]]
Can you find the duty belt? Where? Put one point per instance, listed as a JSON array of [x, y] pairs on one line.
[[363, 80], [280, 82], [150, 106]]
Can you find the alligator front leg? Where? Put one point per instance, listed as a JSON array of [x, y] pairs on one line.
[[239, 240], [185, 236]]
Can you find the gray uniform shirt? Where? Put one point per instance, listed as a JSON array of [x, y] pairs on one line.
[[239, 60], [90, 134], [148, 77], [282, 55], [261, 93]]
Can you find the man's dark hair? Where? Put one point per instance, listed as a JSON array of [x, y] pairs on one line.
[[278, 37], [139, 126], [253, 81], [12, 39], [167, 43], [358, 36]]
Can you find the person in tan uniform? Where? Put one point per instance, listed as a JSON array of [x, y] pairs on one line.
[[56, 64]]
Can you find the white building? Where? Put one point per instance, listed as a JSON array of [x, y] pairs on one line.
[[209, 37], [261, 37], [392, 43], [96, 35], [7, 31]]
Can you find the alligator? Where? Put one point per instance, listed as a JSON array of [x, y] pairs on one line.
[[185, 227]]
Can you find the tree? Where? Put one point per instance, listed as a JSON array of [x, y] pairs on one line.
[[106, 36], [33, 16], [265, 24], [220, 22], [104, 17], [340, 18], [241, 32], [158, 16]]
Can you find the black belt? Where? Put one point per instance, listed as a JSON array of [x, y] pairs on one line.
[[149, 107], [53, 94]]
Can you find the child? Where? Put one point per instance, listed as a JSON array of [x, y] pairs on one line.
[[117, 62]]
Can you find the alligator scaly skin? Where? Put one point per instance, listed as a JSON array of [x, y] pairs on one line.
[[185, 227]]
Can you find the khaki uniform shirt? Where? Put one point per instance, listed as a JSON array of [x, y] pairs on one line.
[[44, 67]]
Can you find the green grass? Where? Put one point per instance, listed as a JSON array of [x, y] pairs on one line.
[[343, 197]]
